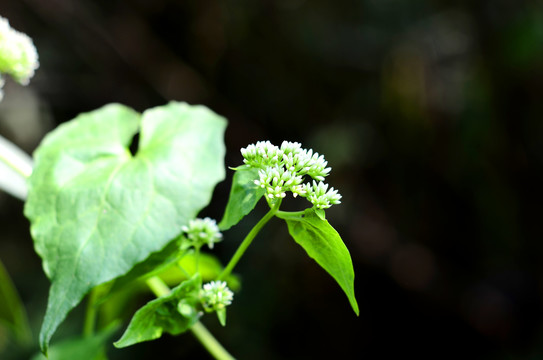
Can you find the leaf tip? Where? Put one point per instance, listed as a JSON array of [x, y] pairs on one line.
[[118, 344], [356, 309], [44, 343], [223, 225]]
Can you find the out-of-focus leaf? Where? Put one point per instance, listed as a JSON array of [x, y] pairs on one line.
[[209, 268], [120, 300], [12, 311], [91, 348]]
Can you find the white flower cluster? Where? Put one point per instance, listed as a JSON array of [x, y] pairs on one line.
[[282, 169], [18, 56], [202, 231], [216, 295]]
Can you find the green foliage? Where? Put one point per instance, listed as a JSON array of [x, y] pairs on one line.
[[323, 244], [155, 264], [12, 311], [96, 210], [174, 313], [207, 265], [92, 348], [244, 195], [104, 219]]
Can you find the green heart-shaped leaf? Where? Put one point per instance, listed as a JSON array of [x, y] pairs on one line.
[[96, 210]]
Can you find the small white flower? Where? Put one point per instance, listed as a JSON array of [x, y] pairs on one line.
[[18, 55], [290, 147], [282, 169], [261, 154], [320, 197], [216, 295]]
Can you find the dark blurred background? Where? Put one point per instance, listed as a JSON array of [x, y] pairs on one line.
[[429, 113]]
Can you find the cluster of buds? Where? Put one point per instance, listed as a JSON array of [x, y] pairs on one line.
[[216, 296], [200, 232], [18, 56], [283, 168]]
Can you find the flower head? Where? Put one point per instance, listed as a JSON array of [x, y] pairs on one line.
[[320, 196], [202, 231], [216, 295], [282, 169], [18, 56]]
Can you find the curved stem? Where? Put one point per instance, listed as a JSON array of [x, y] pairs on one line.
[[159, 288], [209, 342], [248, 240]]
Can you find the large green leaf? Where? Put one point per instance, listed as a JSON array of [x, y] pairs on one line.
[[244, 195], [153, 265], [174, 313], [96, 210], [323, 244]]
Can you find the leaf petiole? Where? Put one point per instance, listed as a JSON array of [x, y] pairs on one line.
[[289, 214]]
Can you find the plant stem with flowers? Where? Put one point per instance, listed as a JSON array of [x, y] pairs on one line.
[[103, 219]]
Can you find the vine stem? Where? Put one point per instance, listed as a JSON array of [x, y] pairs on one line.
[[248, 240], [159, 288]]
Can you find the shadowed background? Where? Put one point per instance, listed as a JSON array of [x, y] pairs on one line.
[[428, 112]]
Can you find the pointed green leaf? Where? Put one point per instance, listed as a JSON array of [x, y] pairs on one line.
[[12, 311], [243, 197], [323, 244], [96, 210], [174, 313], [92, 348]]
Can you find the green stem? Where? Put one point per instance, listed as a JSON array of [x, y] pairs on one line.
[[90, 315], [159, 288], [209, 342], [290, 214], [247, 241]]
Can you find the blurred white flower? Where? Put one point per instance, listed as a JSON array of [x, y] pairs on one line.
[[18, 55]]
